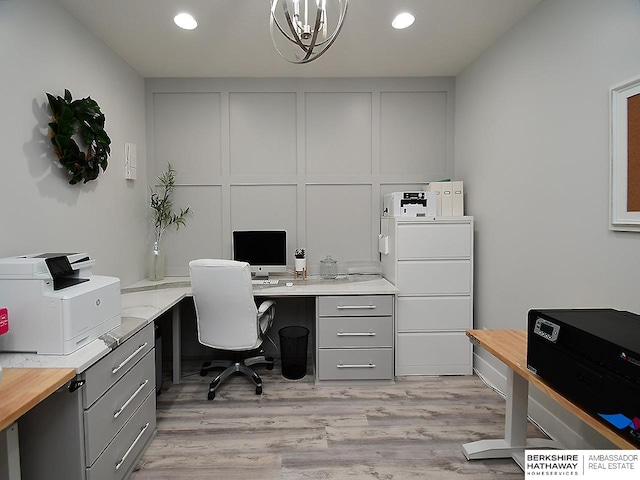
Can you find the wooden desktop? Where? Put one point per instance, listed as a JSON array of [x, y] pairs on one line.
[[510, 347], [21, 389]]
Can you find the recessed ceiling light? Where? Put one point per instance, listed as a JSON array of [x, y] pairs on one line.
[[403, 20], [186, 21]]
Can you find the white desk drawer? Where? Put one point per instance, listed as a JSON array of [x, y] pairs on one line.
[[440, 353], [350, 305], [438, 277], [340, 332], [118, 458], [107, 416], [355, 364], [429, 240], [420, 314], [116, 364]]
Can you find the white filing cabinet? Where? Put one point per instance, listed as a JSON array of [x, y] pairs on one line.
[[431, 263], [355, 338], [98, 431]]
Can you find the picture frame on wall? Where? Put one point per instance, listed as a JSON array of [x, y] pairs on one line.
[[625, 156]]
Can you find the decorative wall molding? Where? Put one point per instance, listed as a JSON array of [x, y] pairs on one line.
[[313, 156]]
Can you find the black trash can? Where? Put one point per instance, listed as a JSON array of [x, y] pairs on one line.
[[293, 350]]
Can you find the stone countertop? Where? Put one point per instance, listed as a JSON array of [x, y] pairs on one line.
[[141, 304], [314, 286], [144, 301]]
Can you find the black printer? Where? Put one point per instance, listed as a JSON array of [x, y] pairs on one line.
[[592, 357]]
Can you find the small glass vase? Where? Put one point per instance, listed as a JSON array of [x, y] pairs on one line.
[[156, 262], [328, 268]]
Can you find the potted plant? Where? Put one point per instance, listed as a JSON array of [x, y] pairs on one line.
[[163, 218], [300, 262]]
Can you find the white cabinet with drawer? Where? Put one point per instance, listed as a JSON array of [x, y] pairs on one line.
[[100, 429], [355, 338], [431, 263]]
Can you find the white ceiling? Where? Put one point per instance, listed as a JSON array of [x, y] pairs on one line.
[[233, 39]]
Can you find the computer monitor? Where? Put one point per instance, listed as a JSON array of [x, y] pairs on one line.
[[264, 250]]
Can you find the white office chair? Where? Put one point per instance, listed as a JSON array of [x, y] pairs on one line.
[[228, 318]]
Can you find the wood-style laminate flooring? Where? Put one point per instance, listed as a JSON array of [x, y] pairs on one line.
[[413, 429]]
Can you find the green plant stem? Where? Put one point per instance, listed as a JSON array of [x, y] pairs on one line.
[[161, 203]]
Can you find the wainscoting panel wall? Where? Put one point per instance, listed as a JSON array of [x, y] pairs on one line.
[[413, 132], [276, 207], [188, 135], [312, 156], [201, 238], [262, 133], [339, 222], [338, 133]]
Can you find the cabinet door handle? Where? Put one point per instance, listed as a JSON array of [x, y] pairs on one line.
[[367, 365], [117, 413], [355, 307], [126, 454], [356, 334], [128, 359]]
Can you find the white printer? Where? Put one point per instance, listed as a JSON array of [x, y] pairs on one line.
[[55, 304], [409, 204]]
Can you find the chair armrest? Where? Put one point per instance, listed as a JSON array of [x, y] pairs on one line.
[[265, 306], [266, 312]]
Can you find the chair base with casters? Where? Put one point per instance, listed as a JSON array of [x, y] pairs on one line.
[[240, 365]]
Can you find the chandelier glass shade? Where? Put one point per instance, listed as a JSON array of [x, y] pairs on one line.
[[302, 30]]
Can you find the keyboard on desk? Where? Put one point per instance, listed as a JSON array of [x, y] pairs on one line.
[[263, 281]]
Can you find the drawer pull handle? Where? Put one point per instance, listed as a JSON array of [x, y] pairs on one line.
[[356, 334], [128, 359], [368, 365], [356, 307], [126, 454], [117, 413]]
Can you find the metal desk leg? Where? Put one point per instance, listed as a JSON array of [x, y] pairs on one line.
[[175, 336], [517, 407], [515, 440], [10, 453], [515, 425]]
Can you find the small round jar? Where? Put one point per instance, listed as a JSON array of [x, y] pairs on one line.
[[328, 268]]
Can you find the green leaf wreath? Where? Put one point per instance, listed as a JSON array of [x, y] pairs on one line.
[[83, 119]]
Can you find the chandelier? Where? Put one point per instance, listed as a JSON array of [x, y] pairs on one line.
[[305, 27]]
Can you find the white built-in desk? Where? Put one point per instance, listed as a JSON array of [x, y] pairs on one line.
[[359, 297], [144, 301], [354, 333]]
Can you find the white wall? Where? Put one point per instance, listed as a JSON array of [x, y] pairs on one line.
[[532, 145], [311, 156], [44, 49]]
